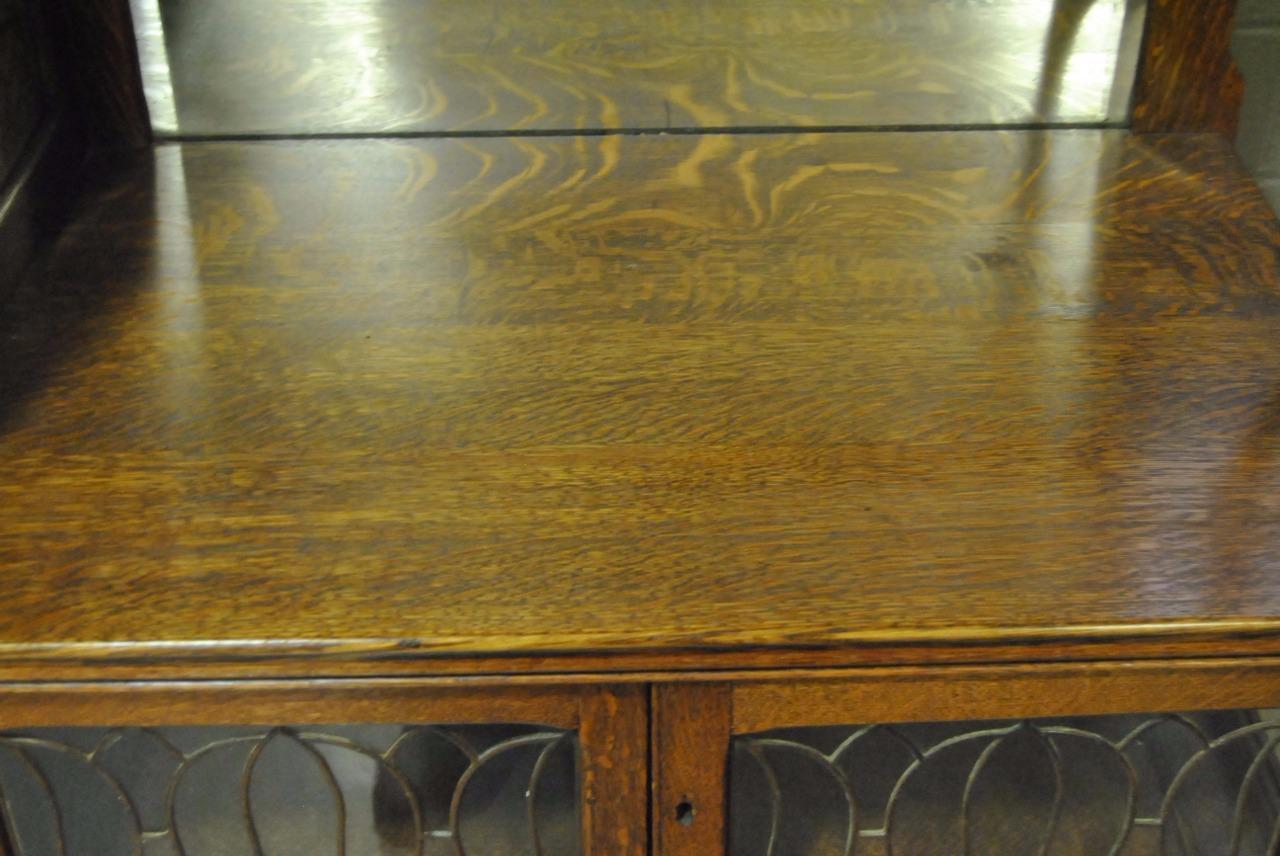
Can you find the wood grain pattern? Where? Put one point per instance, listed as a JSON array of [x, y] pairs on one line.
[[691, 730], [380, 657], [927, 694], [613, 733], [889, 396], [305, 66], [1188, 80], [395, 701]]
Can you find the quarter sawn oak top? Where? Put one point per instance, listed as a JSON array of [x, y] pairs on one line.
[[569, 396]]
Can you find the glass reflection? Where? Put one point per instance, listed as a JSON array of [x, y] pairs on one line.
[[374, 66], [157, 81]]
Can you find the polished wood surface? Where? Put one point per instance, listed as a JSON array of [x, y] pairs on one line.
[[691, 726], [390, 701], [613, 733], [929, 694], [665, 396], [343, 66], [1188, 79]]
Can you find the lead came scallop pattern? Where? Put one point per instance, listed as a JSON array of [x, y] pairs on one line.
[[1168, 785], [424, 790]]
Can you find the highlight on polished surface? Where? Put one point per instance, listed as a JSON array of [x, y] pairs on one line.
[[368, 66], [635, 427], [564, 395]]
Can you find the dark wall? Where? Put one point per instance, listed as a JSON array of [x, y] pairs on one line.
[[24, 95], [29, 105], [70, 95]]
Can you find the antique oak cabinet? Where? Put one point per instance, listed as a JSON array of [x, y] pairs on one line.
[[756, 427]]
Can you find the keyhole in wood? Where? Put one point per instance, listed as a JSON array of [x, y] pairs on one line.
[[684, 813]]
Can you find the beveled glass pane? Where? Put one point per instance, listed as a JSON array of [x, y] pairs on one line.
[[219, 67], [1158, 785], [499, 790]]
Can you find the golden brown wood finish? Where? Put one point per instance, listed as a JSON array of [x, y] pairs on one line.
[[341, 66], [691, 729], [283, 702], [613, 734], [865, 398], [1188, 80], [383, 657], [926, 694]]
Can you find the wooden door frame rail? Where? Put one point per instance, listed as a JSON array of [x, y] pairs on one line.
[[694, 723]]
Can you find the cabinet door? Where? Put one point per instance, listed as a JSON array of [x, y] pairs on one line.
[[370, 767], [1153, 759]]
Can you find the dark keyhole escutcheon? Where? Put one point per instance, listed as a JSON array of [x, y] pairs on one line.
[[685, 813]]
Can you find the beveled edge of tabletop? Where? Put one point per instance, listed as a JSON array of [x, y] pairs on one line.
[[550, 659]]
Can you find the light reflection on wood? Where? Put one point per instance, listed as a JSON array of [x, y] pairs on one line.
[[341, 66]]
